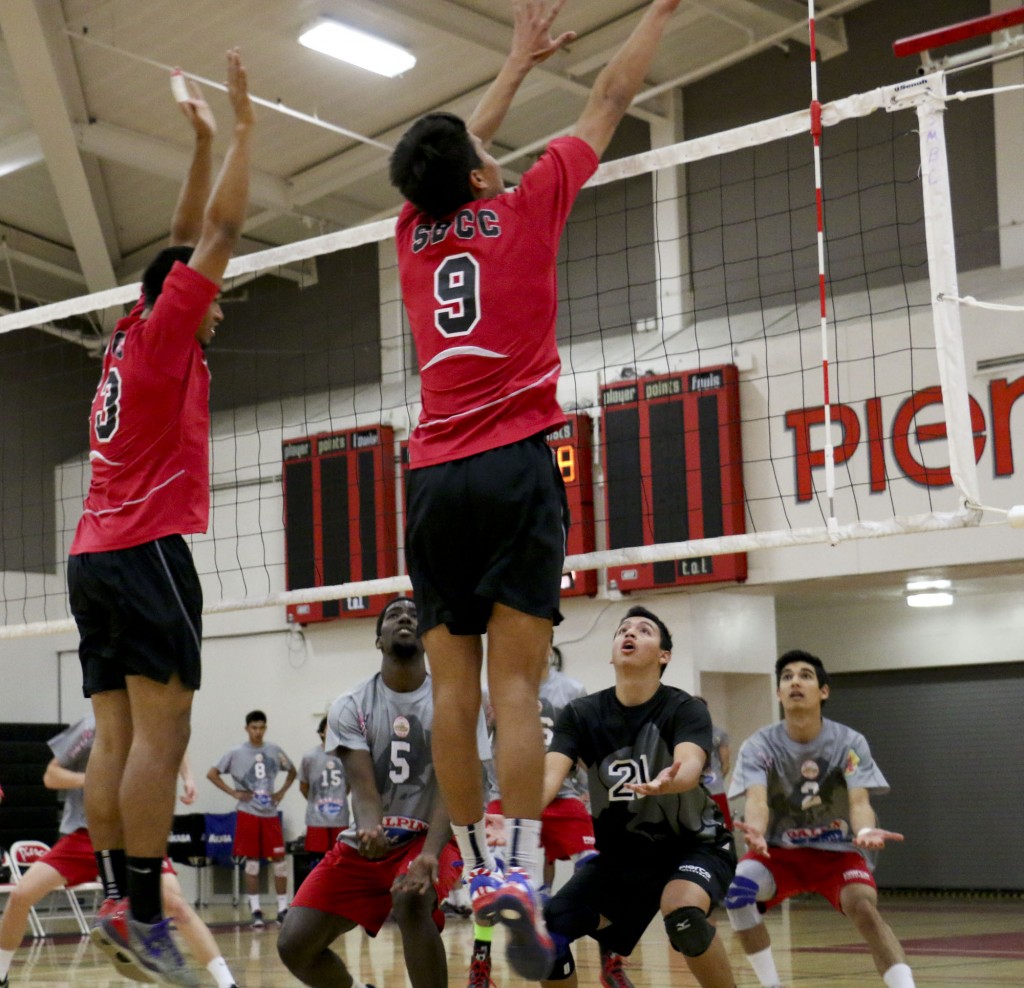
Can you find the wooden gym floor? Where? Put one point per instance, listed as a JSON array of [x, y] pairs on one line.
[[951, 943]]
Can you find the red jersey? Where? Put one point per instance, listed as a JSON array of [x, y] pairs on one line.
[[149, 425], [482, 298]]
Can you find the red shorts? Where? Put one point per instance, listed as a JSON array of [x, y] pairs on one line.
[[723, 805], [565, 828], [319, 840], [346, 884], [74, 859], [806, 869], [258, 836]]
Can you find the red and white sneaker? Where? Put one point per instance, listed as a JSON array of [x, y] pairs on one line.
[[110, 934], [612, 973], [484, 886], [530, 951], [479, 973]]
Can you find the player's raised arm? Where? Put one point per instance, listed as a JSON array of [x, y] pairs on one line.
[[225, 211], [620, 80], [532, 44], [187, 222]]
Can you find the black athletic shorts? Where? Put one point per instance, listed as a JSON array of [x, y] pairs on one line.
[[139, 613], [629, 894], [487, 529]]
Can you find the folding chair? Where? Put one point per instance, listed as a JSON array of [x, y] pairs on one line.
[[22, 854], [6, 888]]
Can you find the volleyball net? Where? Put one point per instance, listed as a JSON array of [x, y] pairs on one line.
[[711, 412]]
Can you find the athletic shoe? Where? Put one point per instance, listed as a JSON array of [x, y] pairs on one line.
[[479, 973], [110, 934], [530, 950], [257, 920], [155, 948], [484, 885], [612, 973], [281, 913]]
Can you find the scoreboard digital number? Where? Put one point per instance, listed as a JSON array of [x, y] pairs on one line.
[[339, 507], [573, 448], [673, 472]]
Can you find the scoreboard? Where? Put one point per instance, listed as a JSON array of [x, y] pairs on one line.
[[339, 506], [573, 448], [673, 471]]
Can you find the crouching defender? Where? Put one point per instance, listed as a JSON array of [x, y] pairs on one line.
[[661, 839]]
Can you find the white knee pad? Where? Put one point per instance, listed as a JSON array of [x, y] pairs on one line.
[[753, 883], [252, 866], [281, 869]]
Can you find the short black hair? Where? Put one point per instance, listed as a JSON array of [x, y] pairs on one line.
[[387, 607], [799, 655], [254, 715], [160, 267], [431, 164], [322, 726], [638, 610]]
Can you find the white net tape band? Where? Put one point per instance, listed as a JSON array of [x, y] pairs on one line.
[[636, 555]]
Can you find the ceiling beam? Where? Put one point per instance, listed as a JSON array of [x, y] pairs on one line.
[[771, 15], [34, 67]]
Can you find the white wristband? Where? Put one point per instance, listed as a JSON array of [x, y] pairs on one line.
[[864, 830]]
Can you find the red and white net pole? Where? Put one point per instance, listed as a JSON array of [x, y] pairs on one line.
[[829, 450]]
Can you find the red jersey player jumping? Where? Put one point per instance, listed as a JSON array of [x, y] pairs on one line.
[[134, 591], [487, 514]]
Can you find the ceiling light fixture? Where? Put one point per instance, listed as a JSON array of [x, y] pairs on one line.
[[357, 48], [929, 593]]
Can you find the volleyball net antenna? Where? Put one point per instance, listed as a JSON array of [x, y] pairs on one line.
[[691, 327]]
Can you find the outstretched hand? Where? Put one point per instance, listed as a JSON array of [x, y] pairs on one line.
[[531, 36], [197, 111], [754, 838], [238, 89], [875, 838], [658, 785]]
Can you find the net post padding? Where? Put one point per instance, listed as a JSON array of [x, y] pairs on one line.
[[942, 275]]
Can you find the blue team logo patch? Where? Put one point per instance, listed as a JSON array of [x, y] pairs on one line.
[[328, 807]]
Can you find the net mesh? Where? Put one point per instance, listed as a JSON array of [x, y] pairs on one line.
[[676, 261]]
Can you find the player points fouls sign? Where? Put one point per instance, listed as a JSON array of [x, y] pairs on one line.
[[673, 472]]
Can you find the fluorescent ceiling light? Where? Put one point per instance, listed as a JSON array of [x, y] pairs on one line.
[[357, 48], [931, 599], [915, 586]]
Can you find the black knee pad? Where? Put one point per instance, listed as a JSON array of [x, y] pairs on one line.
[[689, 931], [570, 919], [562, 966]]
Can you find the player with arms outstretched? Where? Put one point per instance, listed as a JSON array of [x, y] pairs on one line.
[[133, 587], [808, 822], [662, 844], [487, 507]]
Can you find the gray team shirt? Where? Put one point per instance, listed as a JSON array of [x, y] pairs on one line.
[[808, 784], [714, 778], [255, 769], [556, 693], [327, 802], [395, 729], [71, 748]]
